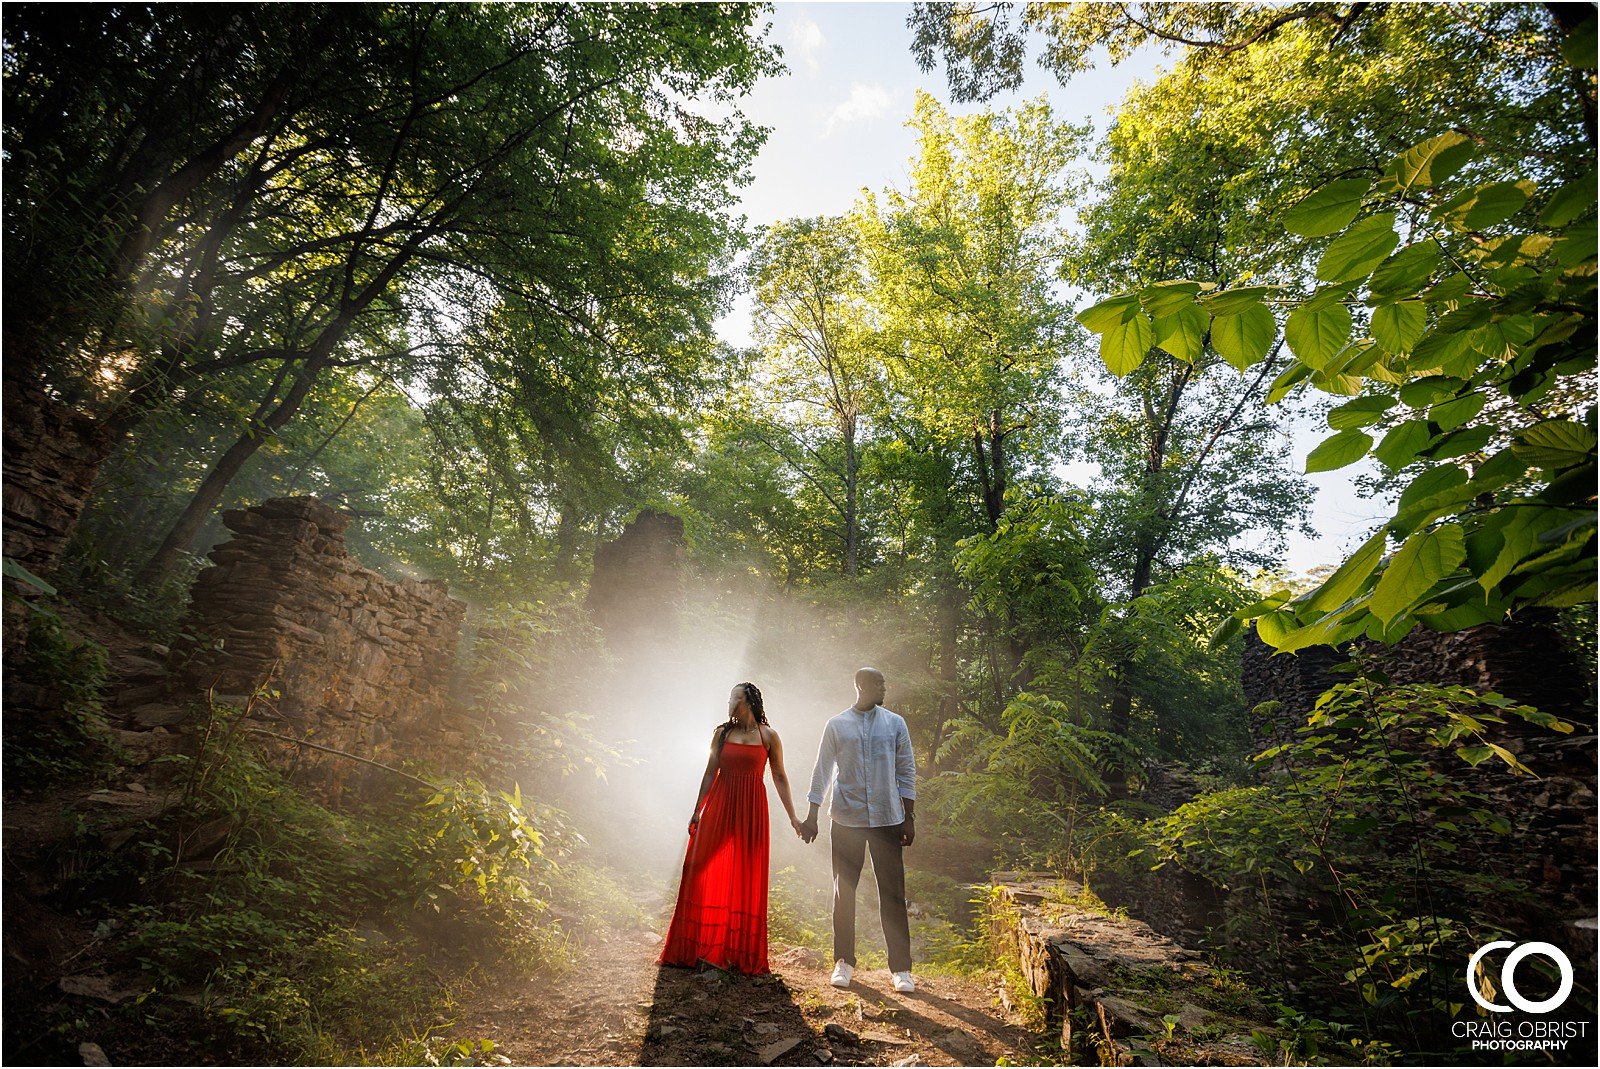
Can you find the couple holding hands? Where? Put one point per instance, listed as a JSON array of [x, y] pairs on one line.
[[865, 759]]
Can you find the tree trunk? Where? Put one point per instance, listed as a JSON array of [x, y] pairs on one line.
[[205, 499], [852, 518]]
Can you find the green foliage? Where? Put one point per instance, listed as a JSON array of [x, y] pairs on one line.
[[1510, 321], [1378, 923], [297, 932], [67, 742]]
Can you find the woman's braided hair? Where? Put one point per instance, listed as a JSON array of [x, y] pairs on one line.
[[758, 709]]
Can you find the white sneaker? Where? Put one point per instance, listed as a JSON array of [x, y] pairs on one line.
[[842, 972], [903, 982]]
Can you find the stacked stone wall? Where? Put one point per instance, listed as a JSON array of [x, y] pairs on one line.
[[52, 456], [360, 663]]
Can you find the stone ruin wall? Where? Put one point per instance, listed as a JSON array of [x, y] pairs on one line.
[[1553, 813], [52, 456], [361, 663]]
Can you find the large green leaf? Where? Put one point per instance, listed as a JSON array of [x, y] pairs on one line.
[[1349, 578], [1424, 559], [1519, 540], [1360, 412], [1244, 337], [1429, 390], [1406, 272], [1403, 443], [1125, 343], [1569, 202], [1484, 206], [1429, 163], [1359, 250], [1398, 326], [1328, 210], [1432, 494], [1108, 313], [1343, 448], [1232, 302], [1555, 444], [1287, 380], [1458, 410], [1315, 335], [1183, 332], [1166, 298]]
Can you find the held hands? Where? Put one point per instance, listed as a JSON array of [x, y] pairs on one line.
[[806, 829]]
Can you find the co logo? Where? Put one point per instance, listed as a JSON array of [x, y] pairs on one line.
[[1508, 972]]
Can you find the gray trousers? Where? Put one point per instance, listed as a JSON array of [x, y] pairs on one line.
[[849, 847]]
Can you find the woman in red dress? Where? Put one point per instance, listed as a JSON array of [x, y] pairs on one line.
[[721, 917]]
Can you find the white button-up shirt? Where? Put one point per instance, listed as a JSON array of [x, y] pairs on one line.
[[865, 757]]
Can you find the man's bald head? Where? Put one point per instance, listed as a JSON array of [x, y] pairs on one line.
[[869, 688]]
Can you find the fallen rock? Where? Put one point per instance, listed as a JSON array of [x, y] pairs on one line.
[[100, 988], [92, 1054], [159, 715], [915, 1059], [777, 1049], [838, 1033]]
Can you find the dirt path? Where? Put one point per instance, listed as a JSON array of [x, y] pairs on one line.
[[619, 1008]]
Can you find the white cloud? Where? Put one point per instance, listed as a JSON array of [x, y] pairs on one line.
[[806, 37], [866, 102]]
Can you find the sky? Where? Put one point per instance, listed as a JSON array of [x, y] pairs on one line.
[[837, 121]]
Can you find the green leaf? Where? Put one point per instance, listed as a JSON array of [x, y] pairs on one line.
[[1344, 448], [1244, 337], [1432, 494], [1406, 272], [13, 569], [1403, 443], [1579, 47], [1287, 380], [1460, 442], [1458, 410], [1109, 313], [1328, 210], [1503, 468], [1232, 302], [1519, 540], [1359, 250], [1420, 393], [1167, 298], [1350, 576], [1182, 333], [1424, 559], [1569, 202], [1555, 444], [1429, 163], [1360, 412], [1398, 326], [1484, 206], [1315, 336]]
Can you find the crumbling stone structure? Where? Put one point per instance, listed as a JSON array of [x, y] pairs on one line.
[[360, 663], [1528, 662], [1552, 812], [52, 455], [636, 592], [1110, 985]]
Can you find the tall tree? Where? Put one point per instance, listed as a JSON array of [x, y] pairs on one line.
[[448, 150], [819, 371], [963, 268]]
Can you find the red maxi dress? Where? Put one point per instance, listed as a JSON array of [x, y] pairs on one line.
[[721, 915]]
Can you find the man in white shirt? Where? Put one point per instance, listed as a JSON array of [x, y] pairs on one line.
[[866, 759]]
